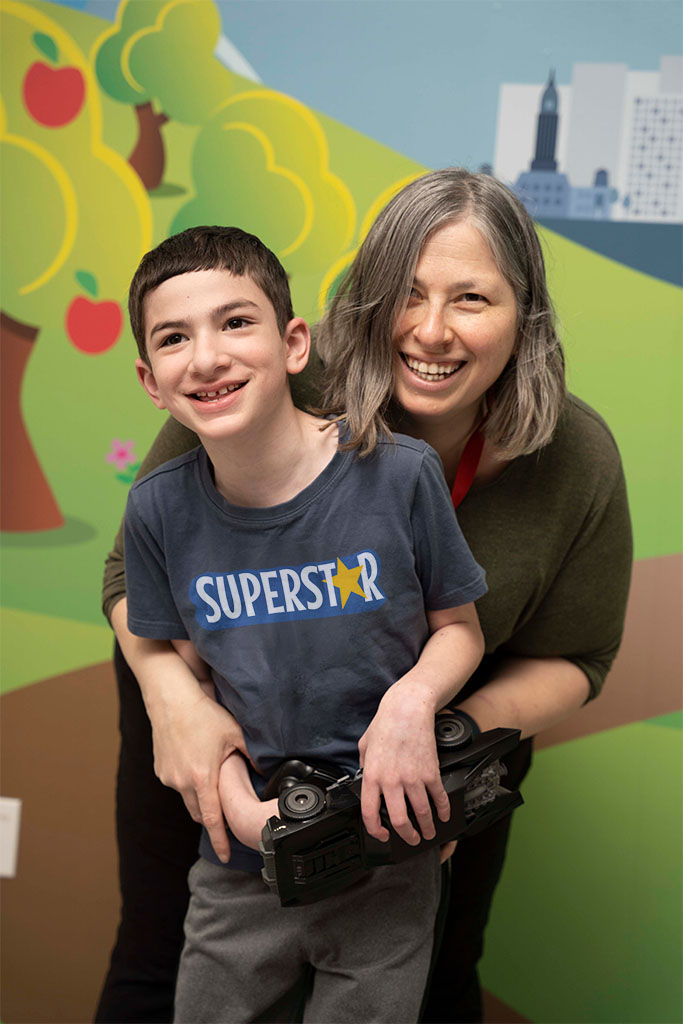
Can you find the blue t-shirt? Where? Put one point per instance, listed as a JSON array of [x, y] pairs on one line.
[[306, 611]]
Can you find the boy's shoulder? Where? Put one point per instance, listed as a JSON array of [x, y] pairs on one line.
[[402, 453], [408, 444], [168, 474]]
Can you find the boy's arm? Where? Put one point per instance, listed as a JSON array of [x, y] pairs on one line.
[[245, 813], [192, 733], [398, 749]]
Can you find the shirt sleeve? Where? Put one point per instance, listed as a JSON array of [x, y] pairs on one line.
[[152, 611], [581, 617], [446, 567]]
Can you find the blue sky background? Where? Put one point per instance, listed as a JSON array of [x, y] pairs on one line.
[[422, 76]]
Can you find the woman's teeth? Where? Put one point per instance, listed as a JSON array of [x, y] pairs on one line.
[[431, 371], [212, 396]]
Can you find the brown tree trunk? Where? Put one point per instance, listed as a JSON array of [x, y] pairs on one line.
[[148, 158], [26, 500]]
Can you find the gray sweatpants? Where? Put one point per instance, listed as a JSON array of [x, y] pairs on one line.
[[369, 947]]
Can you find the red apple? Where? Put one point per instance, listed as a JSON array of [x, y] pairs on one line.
[[93, 327], [53, 96]]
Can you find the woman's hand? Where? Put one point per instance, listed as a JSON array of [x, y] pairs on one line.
[[399, 761], [193, 736]]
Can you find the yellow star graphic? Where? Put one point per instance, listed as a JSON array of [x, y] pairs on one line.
[[346, 581]]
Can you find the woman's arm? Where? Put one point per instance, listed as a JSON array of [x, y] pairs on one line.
[[529, 694], [192, 734]]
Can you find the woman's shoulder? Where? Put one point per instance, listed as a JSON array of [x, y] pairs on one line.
[[583, 438]]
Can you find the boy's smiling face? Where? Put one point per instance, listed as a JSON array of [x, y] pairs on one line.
[[216, 359]]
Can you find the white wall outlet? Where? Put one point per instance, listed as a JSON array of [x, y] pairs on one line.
[[10, 817]]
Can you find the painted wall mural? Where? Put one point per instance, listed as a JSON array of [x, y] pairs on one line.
[[121, 123]]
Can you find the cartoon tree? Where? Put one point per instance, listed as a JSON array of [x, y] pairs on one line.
[[276, 182], [66, 254], [159, 54]]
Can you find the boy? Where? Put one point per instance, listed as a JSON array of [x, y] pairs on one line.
[[301, 574]]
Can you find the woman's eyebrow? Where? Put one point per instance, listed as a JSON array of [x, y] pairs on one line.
[[465, 285]]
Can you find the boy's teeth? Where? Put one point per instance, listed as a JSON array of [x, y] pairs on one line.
[[217, 394]]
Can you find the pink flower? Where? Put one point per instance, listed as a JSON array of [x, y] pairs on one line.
[[121, 454]]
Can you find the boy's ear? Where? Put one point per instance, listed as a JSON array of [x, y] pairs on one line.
[[148, 381], [297, 339]]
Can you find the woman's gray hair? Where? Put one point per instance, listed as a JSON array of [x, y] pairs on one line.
[[354, 338]]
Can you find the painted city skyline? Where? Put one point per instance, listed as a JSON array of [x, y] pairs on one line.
[[608, 146]]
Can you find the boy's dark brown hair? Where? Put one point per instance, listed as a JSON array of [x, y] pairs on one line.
[[209, 248]]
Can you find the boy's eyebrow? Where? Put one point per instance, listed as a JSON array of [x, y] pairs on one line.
[[216, 314]]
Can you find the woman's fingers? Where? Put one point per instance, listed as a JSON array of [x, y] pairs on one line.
[[211, 817]]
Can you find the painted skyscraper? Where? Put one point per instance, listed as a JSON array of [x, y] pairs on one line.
[[546, 131], [542, 189]]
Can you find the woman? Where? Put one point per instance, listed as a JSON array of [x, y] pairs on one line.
[[447, 297]]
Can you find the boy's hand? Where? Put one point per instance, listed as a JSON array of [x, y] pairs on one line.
[[245, 813], [447, 850], [399, 761]]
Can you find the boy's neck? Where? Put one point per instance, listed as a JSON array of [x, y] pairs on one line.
[[273, 464]]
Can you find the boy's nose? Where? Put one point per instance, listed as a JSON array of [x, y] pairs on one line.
[[209, 353]]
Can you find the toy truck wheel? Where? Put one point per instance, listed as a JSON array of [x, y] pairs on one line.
[[301, 802], [452, 732]]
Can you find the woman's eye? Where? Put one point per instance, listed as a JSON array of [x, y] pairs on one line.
[[473, 297]]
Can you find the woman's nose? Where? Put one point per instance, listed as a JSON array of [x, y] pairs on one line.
[[432, 329]]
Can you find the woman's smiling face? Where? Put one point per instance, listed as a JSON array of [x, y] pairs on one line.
[[457, 332]]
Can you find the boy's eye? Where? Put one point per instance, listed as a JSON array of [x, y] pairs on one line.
[[235, 322], [171, 339]]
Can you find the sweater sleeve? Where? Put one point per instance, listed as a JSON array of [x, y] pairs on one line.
[[173, 439], [581, 617]]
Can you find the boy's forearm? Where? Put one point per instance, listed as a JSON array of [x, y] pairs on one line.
[[447, 661], [398, 749], [244, 812]]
